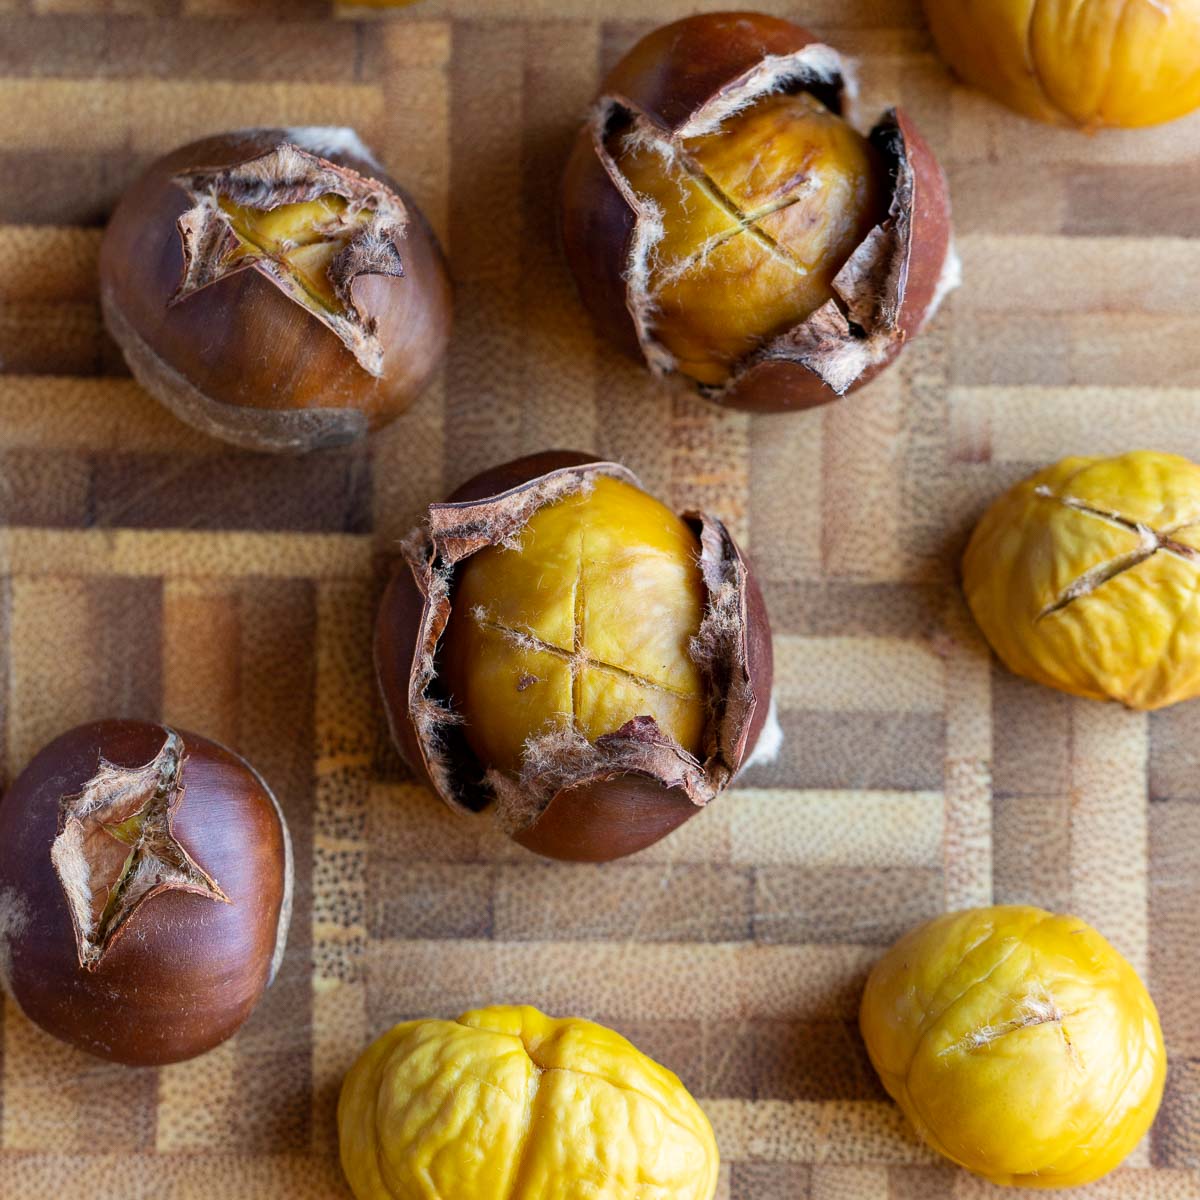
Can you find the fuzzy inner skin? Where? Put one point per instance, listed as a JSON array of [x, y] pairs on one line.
[[756, 220], [583, 625], [303, 239], [116, 848]]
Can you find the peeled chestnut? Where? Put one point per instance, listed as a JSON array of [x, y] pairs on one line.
[[724, 221], [1084, 577], [145, 891], [558, 643], [1087, 63], [1019, 1044], [274, 288], [507, 1103]]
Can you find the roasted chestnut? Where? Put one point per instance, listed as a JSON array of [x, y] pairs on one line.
[[1087, 63], [558, 642], [275, 288], [1084, 577], [723, 220], [145, 891], [526, 1105], [1018, 1043]]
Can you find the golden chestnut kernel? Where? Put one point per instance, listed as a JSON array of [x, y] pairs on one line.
[[275, 288], [1018, 1043], [585, 623], [560, 644], [757, 218], [145, 891], [1084, 577], [724, 221], [1087, 63], [506, 1103]]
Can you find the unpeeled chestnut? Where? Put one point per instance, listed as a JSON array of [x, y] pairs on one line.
[[145, 891], [558, 645], [724, 221], [275, 288]]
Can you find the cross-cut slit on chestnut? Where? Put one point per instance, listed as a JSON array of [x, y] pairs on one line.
[[1152, 542], [339, 227], [302, 238], [116, 847], [774, 223], [275, 288], [816, 253], [596, 693]]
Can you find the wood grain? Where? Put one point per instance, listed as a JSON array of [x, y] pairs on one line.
[[145, 570]]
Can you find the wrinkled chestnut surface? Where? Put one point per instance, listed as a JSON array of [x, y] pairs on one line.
[[145, 891], [1088, 64], [1084, 577], [598, 710], [275, 288], [722, 220]]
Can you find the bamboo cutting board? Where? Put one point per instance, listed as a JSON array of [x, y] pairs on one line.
[[147, 571]]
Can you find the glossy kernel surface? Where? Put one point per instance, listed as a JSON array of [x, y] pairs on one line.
[[585, 623], [757, 219]]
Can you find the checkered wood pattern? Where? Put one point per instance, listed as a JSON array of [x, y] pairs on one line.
[[147, 571]]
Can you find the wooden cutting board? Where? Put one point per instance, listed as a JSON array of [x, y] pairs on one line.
[[148, 571]]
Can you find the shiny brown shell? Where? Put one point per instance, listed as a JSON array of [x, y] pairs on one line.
[[238, 358], [684, 79], [185, 970], [635, 785]]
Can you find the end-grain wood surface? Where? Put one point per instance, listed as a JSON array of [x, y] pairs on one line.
[[147, 571]]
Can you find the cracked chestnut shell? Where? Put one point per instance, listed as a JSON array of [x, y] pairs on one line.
[[1018, 1043], [1084, 577], [1088, 64], [145, 891], [274, 288], [724, 221], [556, 644]]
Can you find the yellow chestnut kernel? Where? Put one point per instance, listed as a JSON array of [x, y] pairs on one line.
[[1084, 577], [1090, 64], [585, 624], [1018, 1043], [303, 239], [757, 219], [506, 1102]]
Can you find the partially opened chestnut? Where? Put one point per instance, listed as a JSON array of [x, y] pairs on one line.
[[273, 287], [145, 891], [557, 643], [725, 221]]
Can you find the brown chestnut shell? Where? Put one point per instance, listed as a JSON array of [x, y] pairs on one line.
[[582, 802], [237, 357], [684, 79], [184, 970]]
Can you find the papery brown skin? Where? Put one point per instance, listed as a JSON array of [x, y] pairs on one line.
[[185, 970], [670, 76], [241, 360], [608, 816]]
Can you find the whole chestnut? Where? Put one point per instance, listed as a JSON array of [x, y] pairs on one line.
[[507, 1102], [1018, 1043], [274, 288], [559, 643], [145, 891], [724, 220], [1084, 577], [1088, 64]]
